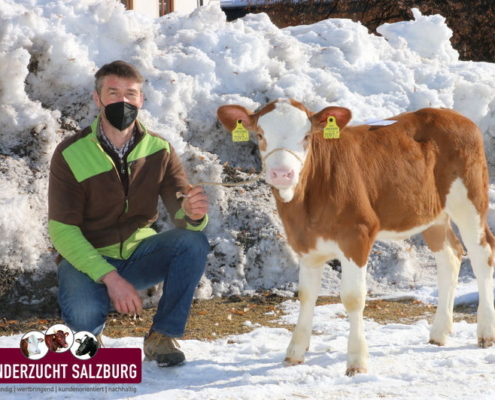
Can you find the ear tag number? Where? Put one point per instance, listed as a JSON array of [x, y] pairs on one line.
[[331, 130], [240, 134]]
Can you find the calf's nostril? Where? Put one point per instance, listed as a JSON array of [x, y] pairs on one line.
[[281, 174]]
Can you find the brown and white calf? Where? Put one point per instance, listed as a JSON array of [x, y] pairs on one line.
[[337, 196]]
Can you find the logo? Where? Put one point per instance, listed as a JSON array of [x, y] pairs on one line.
[[60, 356]]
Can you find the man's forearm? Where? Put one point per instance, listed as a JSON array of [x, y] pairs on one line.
[[73, 246]]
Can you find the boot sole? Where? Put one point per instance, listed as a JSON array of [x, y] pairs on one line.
[[174, 361]]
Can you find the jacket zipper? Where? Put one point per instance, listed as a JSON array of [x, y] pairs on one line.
[[126, 209], [126, 198]]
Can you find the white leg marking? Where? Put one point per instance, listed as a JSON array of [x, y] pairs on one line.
[[309, 289], [448, 265], [353, 295], [464, 214]]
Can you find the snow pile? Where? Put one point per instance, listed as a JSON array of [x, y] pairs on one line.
[[50, 50], [417, 34]]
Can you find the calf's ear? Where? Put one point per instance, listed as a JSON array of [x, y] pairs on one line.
[[66, 333], [342, 116], [78, 340], [230, 114]]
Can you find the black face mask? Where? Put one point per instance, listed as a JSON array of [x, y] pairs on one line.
[[121, 114]]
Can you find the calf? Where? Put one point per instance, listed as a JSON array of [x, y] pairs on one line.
[[56, 341], [336, 196], [29, 346], [87, 346]]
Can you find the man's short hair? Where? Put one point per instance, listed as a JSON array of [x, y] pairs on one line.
[[120, 69]]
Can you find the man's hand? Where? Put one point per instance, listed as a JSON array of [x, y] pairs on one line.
[[195, 204], [123, 295]]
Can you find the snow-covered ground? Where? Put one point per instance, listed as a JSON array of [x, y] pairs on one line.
[[49, 52], [249, 366]]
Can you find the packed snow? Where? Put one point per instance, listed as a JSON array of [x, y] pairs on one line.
[[49, 52]]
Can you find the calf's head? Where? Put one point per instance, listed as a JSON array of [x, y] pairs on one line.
[[284, 129], [32, 345]]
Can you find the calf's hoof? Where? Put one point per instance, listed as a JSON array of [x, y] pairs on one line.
[[436, 342], [355, 370], [484, 343], [290, 362]]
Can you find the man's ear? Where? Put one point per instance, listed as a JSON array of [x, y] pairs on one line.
[[96, 99]]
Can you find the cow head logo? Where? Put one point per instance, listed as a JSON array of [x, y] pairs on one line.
[[59, 338], [33, 345], [85, 345]]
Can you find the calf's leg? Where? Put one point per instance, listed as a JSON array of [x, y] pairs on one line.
[[480, 244], [448, 254], [479, 255], [309, 288], [353, 295]]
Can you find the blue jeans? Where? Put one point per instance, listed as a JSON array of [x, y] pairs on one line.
[[176, 257]]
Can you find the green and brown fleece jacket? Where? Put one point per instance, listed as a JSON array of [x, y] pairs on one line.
[[92, 215]]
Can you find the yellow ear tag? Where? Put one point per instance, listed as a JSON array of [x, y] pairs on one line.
[[332, 130], [240, 134]]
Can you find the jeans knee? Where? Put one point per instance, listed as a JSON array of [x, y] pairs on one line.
[[196, 242], [195, 251], [204, 244], [84, 304], [91, 318]]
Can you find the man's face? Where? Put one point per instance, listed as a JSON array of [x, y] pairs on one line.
[[115, 89]]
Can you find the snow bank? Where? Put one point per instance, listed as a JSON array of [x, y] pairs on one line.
[[50, 50]]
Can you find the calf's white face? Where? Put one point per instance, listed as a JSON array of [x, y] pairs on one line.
[[33, 345], [283, 146]]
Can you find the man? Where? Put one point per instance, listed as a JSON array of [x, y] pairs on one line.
[[104, 186]]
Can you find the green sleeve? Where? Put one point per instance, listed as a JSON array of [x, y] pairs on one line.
[[74, 247], [180, 214]]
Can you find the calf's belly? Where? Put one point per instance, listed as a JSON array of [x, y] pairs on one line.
[[395, 235]]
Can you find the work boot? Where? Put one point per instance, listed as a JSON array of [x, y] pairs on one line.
[[163, 349]]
